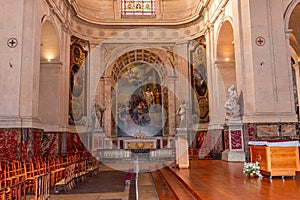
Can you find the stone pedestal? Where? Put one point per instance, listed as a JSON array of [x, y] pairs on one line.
[[230, 155], [236, 143], [98, 140], [182, 154]]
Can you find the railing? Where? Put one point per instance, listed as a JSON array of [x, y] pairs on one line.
[[168, 153], [136, 171], [106, 154], [114, 154]]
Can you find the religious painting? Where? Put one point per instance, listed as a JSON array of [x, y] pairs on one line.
[[139, 101], [78, 73], [199, 80]]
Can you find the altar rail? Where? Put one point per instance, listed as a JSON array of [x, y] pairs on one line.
[[119, 154], [163, 154], [126, 155]]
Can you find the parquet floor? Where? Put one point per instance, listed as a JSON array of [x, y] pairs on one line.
[[221, 180]]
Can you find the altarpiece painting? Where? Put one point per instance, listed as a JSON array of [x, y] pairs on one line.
[[139, 101]]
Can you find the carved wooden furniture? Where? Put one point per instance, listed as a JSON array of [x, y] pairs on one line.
[[276, 158]]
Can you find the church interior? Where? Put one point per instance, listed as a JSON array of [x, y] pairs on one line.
[[174, 98]]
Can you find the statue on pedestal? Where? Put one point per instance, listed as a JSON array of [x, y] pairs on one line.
[[97, 112], [232, 105], [182, 112], [100, 113], [235, 152]]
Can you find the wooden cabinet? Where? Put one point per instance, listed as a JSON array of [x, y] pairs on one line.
[[276, 160]]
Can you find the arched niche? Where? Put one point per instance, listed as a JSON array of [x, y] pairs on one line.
[[116, 73], [225, 62], [50, 50], [50, 83], [225, 54]]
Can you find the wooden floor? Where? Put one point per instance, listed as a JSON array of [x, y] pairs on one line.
[[207, 179], [216, 179]]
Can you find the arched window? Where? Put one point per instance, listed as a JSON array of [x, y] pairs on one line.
[[138, 7]]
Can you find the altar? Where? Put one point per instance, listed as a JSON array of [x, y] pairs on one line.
[[276, 158], [146, 143]]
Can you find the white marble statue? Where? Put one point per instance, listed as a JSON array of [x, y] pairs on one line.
[[97, 114], [182, 111], [232, 105], [100, 114]]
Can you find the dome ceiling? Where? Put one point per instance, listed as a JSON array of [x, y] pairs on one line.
[[108, 12]]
